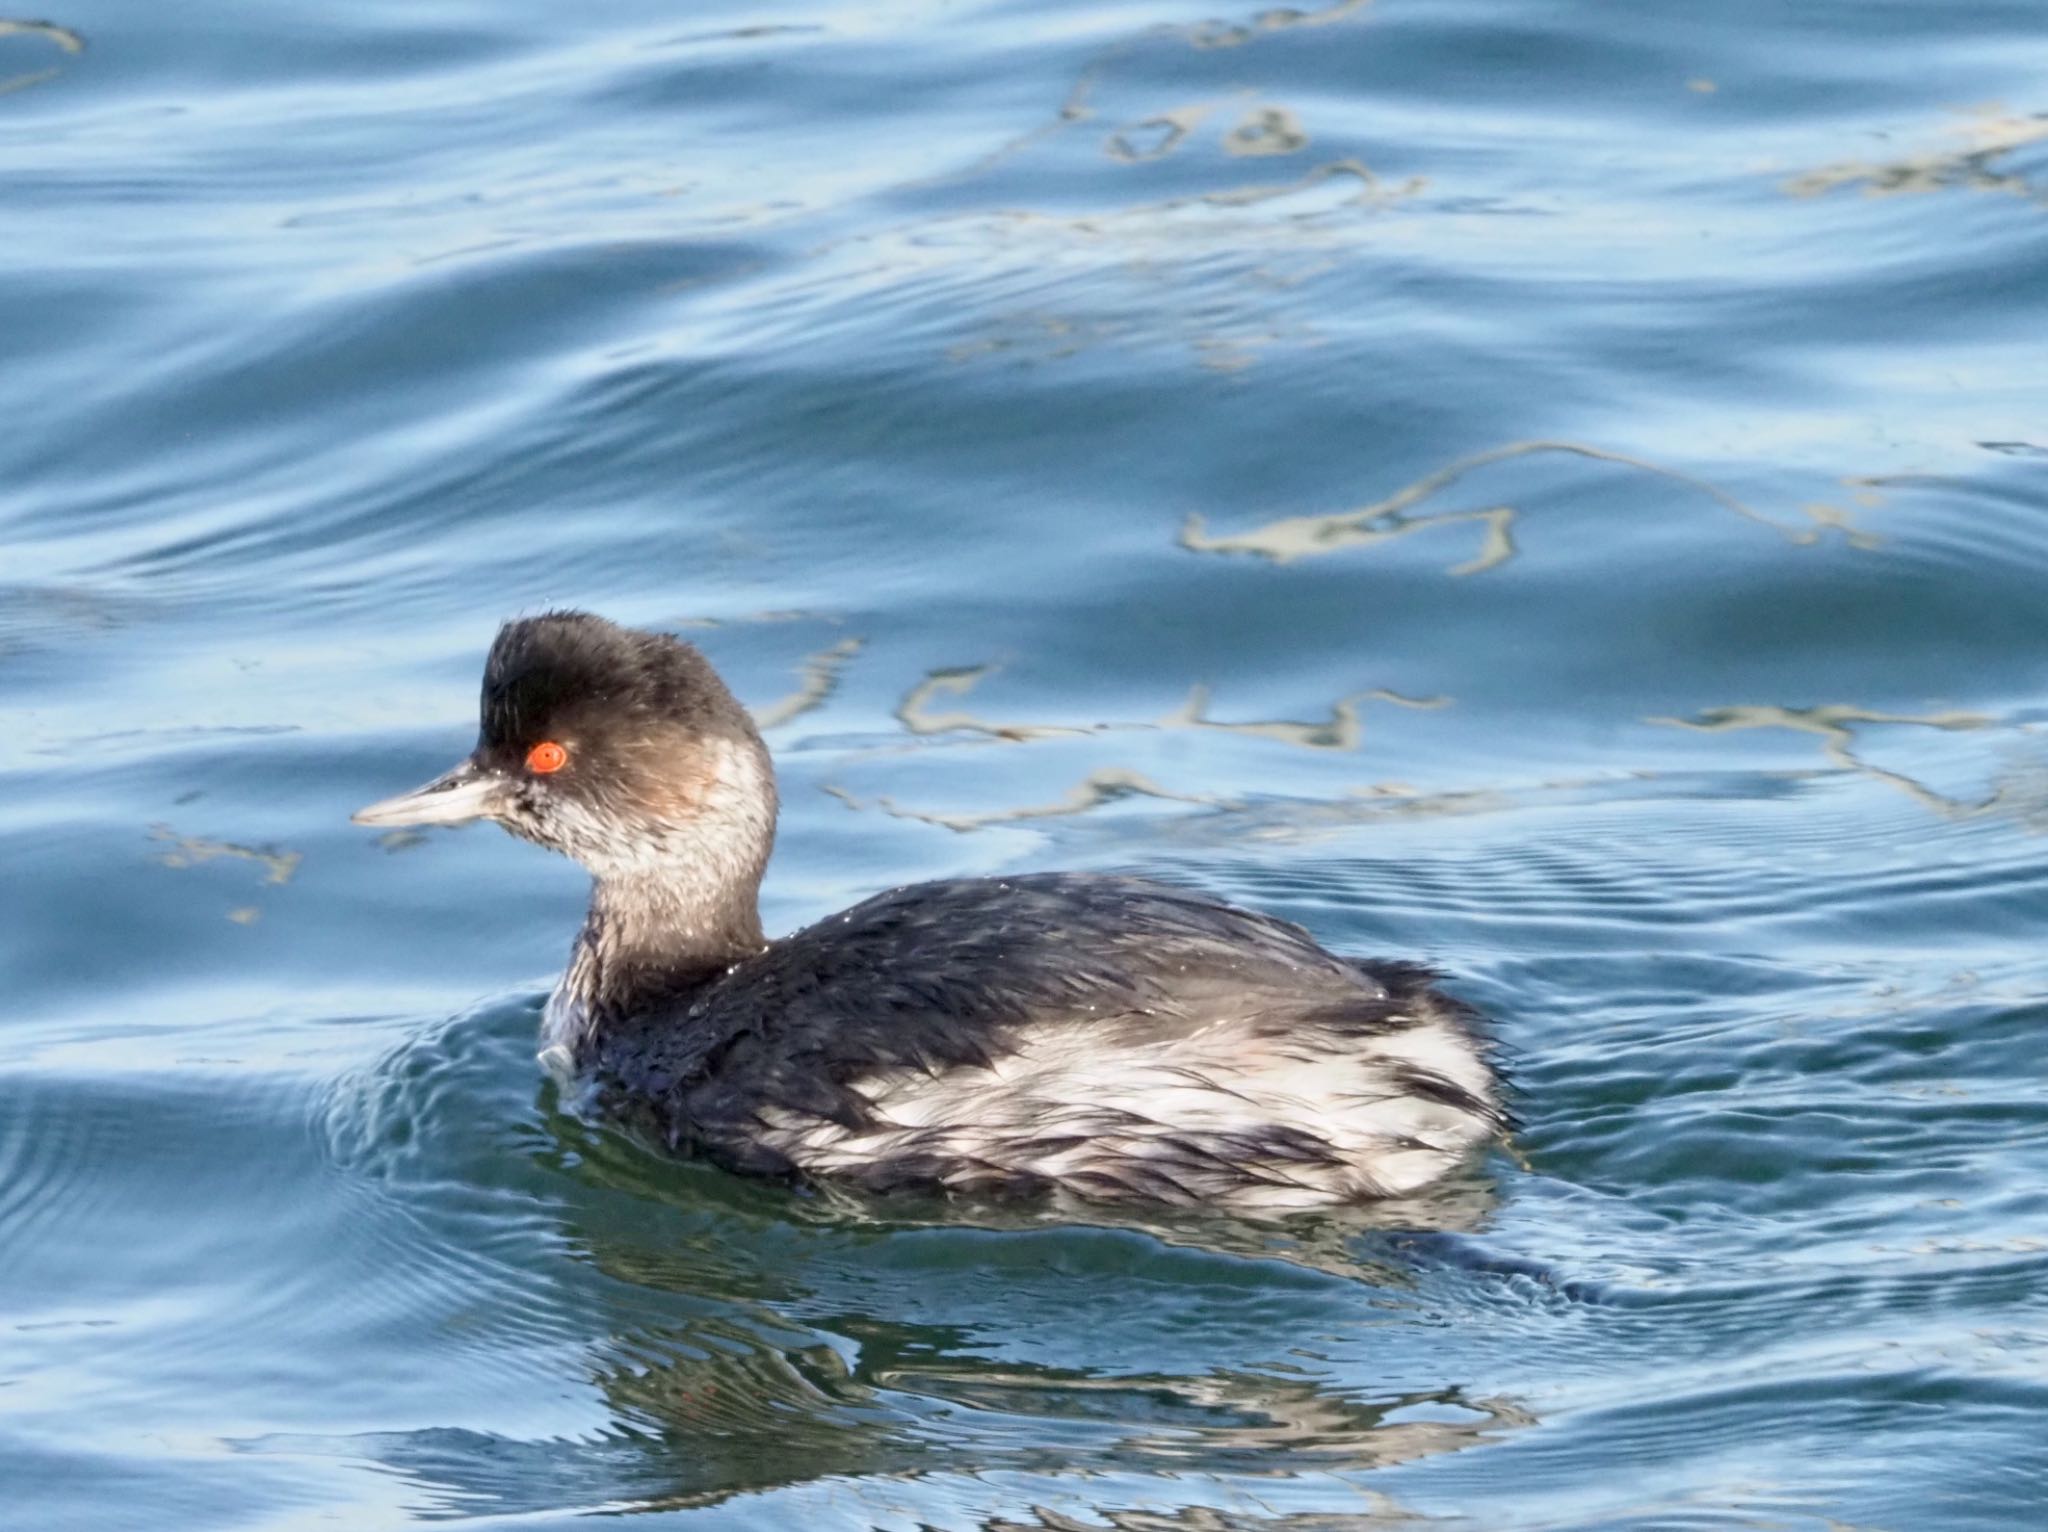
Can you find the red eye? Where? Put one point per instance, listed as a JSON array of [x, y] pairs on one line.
[[546, 756]]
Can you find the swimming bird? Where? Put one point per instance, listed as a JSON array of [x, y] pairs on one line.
[[1087, 1037]]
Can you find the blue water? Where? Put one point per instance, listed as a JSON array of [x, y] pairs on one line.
[[1559, 490]]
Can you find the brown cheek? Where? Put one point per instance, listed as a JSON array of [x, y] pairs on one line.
[[677, 795]]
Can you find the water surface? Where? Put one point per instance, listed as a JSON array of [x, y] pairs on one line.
[[1557, 490]]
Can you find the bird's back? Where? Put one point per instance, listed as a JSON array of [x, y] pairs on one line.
[[1109, 1037]]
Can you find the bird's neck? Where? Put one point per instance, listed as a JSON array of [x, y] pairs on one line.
[[671, 912]]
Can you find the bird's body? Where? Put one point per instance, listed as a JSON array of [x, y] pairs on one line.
[[1094, 1037]]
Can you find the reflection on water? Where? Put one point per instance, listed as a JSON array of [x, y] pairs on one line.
[[1300, 537], [1836, 725], [1104, 785], [921, 713], [1269, 130], [1988, 136], [917, 713], [62, 38], [819, 677], [196, 850], [1157, 136], [192, 850], [1262, 131], [1233, 34], [743, 1419], [1342, 730], [1078, 104]]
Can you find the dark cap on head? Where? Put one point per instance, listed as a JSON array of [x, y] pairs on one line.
[[577, 678]]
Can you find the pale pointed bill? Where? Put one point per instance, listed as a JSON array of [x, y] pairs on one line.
[[469, 792]]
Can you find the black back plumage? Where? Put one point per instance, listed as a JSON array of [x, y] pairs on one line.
[[937, 976]]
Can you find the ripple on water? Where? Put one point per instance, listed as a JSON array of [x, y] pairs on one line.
[[460, 1233], [712, 1322], [74, 1146]]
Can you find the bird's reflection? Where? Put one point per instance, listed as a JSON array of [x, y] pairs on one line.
[[756, 1341]]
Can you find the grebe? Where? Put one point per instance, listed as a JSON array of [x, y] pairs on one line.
[[1092, 1037]]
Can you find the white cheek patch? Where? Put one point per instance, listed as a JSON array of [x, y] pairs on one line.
[[720, 839], [1225, 1116]]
